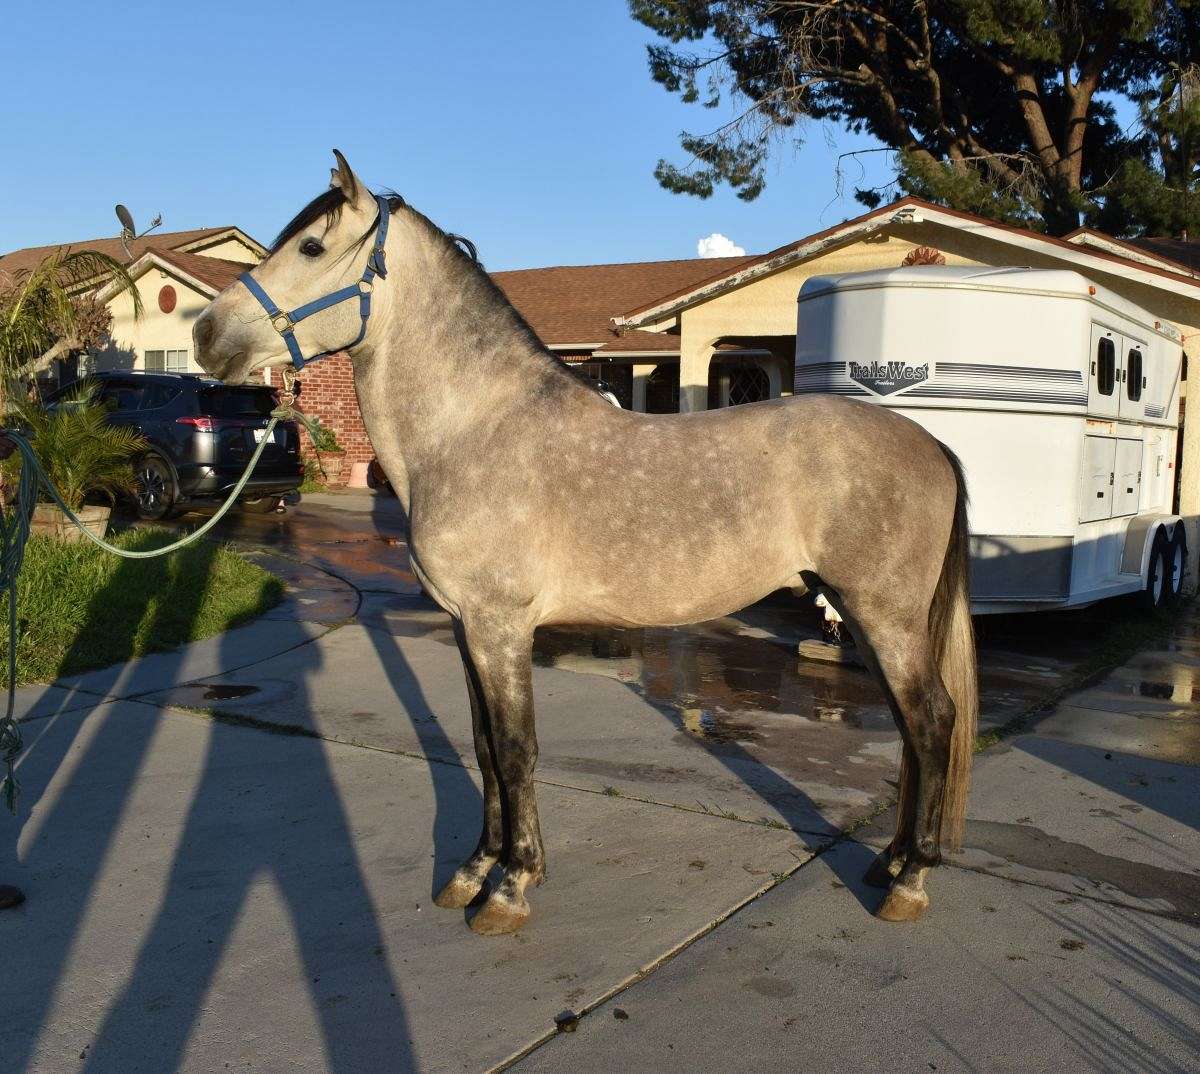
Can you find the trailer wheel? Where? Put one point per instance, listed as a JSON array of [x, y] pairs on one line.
[[1157, 593], [1177, 560]]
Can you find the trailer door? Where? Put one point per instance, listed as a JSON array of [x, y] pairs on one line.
[[1096, 493], [1127, 485], [1105, 366], [1134, 380]]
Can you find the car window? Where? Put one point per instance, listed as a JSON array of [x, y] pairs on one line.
[[237, 402], [158, 395], [121, 396]]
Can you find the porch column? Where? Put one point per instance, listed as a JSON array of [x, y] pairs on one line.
[[641, 377], [1189, 484], [695, 356], [774, 378]]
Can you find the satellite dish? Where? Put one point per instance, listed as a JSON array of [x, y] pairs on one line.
[[129, 230], [126, 219]]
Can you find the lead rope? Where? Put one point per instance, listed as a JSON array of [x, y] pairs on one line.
[[14, 535]]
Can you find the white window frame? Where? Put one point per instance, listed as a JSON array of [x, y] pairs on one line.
[[173, 361]]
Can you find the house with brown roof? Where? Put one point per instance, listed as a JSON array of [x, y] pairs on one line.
[[670, 335], [703, 333], [176, 273]]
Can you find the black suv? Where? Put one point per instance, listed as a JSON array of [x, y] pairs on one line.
[[202, 434]]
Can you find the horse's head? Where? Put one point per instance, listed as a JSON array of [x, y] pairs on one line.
[[325, 248]]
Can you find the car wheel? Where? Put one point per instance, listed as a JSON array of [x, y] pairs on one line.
[[268, 505], [156, 492]]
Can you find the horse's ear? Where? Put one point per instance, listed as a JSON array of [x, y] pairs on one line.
[[345, 180]]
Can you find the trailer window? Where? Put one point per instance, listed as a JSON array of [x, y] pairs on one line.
[[1106, 366], [1134, 383]]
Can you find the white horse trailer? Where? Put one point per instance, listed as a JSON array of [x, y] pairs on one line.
[[1060, 398]]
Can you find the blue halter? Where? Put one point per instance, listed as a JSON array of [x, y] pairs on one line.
[[285, 323]]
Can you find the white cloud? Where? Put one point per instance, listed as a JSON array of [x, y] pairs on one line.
[[717, 245]]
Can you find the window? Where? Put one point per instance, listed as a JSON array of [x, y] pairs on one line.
[[237, 402], [1133, 375], [748, 384], [1105, 366], [158, 395], [121, 396], [166, 361]]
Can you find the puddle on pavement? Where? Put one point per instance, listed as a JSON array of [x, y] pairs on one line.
[[719, 680], [227, 692], [715, 678]]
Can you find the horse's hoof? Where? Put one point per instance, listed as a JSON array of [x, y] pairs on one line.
[[903, 904], [499, 917], [458, 893], [882, 871]]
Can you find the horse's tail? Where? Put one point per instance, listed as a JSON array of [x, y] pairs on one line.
[[953, 639]]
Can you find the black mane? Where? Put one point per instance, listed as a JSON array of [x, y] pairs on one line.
[[328, 205]]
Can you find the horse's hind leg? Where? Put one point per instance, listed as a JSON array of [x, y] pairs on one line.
[[469, 878], [501, 652], [887, 865], [924, 714]]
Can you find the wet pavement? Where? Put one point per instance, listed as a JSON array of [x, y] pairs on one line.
[[277, 805], [722, 679], [722, 717]]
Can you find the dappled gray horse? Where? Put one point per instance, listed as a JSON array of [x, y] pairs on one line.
[[534, 501]]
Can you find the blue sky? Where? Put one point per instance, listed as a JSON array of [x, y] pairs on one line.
[[530, 126]]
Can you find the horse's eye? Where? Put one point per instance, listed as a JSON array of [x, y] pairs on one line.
[[311, 248]]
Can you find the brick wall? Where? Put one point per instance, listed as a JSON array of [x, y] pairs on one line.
[[327, 393]]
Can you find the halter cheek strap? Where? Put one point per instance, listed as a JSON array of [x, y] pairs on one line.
[[285, 322]]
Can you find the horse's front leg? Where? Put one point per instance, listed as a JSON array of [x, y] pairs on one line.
[[469, 878], [501, 653]]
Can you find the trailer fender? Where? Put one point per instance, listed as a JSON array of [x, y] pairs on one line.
[[1139, 539]]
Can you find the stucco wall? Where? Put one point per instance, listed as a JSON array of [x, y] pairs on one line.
[[231, 250], [155, 330]]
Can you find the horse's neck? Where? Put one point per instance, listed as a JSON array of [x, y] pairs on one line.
[[447, 367]]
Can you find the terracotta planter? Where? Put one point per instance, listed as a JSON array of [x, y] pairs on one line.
[[329, 461], [48, 519]]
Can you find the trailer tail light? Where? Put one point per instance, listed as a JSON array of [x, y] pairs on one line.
[[204, 425]]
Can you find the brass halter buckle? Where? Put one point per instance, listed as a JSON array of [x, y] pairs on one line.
[[282, 323]]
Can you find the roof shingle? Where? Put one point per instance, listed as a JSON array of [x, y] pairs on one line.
[[32, 256], [214, 271], [1185, 252], [576, 303]]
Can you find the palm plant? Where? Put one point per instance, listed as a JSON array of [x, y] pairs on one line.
[[82, 454], [44, 313]]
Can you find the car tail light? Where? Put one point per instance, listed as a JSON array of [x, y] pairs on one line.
[[205, 425]]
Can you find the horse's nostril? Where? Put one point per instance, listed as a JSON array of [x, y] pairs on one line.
[[203, 332]]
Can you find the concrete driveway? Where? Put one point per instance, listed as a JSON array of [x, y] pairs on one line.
[[230, 851]]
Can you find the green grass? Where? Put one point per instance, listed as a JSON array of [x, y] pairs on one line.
[[80, 607]]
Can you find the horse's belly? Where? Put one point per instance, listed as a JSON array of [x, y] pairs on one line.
[[668, 590]]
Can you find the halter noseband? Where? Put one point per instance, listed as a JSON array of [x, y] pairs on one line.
[[285, 323]]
